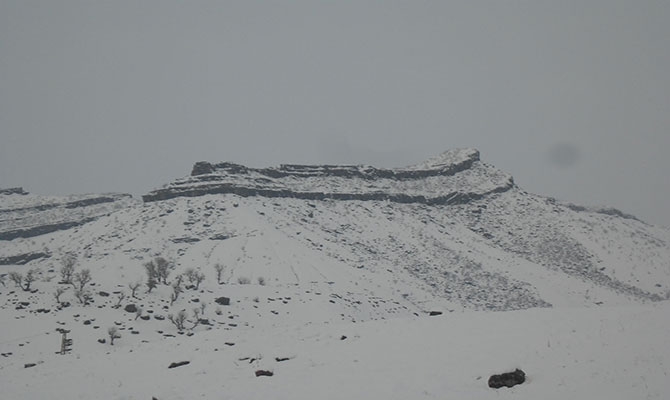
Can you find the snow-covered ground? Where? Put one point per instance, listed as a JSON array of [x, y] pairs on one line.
[[595, 353]]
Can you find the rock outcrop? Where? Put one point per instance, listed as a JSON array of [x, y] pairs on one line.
[[27, 215], [454, 177]]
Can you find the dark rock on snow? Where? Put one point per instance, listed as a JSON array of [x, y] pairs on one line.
[[507, 379]]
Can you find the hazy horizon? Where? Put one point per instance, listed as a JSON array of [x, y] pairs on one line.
[[572, 99]]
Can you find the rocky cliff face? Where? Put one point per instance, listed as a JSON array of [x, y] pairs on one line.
[[454, 177], [23, 215]]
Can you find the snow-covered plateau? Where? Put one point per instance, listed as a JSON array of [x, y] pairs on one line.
[[341, 281]]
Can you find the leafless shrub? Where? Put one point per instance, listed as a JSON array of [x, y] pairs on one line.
[[133, 288], [2, 280], [163, 268], [119, 299], [219, 271], [113, 333], [261, 281], [243, 280], [82, 278], [195, 277], [82, 295], [176, 290], [21, 281], [178, 320], [59, 292], [196, 317], [17, 278], [67, 270], [158, 271], [29, 279]]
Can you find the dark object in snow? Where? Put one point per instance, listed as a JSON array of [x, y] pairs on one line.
[[262, 372], [102, 341], [179, 364], [507, 379], [103, 294], [29, 365], [224, 301], [280, 359], [131, 308], [87, 322], [343, 337], [434, 313]]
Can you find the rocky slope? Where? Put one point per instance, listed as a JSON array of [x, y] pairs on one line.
[[452, 232]]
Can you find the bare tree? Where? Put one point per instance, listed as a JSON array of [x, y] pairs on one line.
[[196, 318], [17, 278], [29, 279], [59, 292], [133, 288], [219, 271], [82, 295], [82, 278], [158, 271], [2, 280], [113, 333], [67, 270], [178, 320], [163, 268], [20, 281], [152, 274], [176, 290], [195, 277], [119, 299]]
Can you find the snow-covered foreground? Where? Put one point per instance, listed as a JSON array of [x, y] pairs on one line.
[[579, 353]]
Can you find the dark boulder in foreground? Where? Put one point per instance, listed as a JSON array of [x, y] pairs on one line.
[[262, 372], [507, 379]]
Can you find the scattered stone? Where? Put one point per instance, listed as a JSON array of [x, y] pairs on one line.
[[131, 308], [262, 372], [343, 337], [507, 379], [29, 365], [102, 341], [145, 317], [280, 359], [87, 322], [229, 344], [103, 294], [179, 364], [434, 313]]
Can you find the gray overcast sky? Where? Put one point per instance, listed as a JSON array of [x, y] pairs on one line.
[[571, 97]]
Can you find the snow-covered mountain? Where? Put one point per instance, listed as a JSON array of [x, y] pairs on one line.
[[305, 248]]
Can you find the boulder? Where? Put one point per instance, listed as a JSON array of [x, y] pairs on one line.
[[131, 308], [224, 301], [507, 379]]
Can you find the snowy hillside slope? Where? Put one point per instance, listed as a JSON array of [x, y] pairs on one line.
[[314, 253]]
